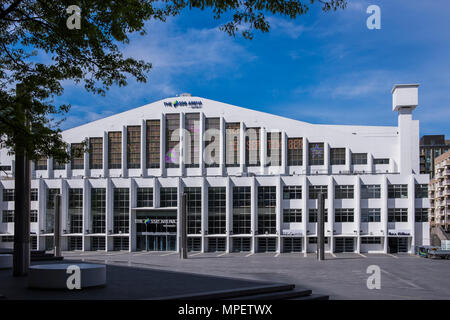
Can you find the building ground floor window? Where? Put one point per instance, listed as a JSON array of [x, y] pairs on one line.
[[121, 243], [241, 244], [217, 244], [344, 244], [266, 244], [398, 244], [294, 244]]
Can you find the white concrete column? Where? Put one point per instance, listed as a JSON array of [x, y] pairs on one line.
[[180, 188], [357, 213], [262, 149], [68, 165], [283, 152], [50, 172], [242, 147], [156, 194], [182, 144], [86, 214], [370, 165], [254, 212], [132, 216], [124, 164], [330, 201], [86, 158], [222, 144], [279, 212], [201, 149], [109, 214], [64, 187], [348, 159], [305, 156], [105, 154], [204, 211], [326, 156], [143, 148], [384, 210], [229, 213], [305, 210], [162, 141], [411, 211]]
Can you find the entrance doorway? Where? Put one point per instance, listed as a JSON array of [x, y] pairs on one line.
[[156, 230], [156, 243], [398, 244]]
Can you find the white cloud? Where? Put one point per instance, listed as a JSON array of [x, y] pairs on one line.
[[286, 27]]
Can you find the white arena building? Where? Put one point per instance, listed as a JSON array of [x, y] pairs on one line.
[[251, 178]]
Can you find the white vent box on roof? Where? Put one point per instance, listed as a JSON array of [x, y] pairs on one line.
[[405, 96]]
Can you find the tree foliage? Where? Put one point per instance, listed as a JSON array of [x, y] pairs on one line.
[[38, 52]]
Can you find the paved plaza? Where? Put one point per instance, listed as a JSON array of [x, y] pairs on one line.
[[341, 276]]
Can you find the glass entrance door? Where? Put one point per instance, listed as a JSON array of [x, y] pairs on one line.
[[156, 242]]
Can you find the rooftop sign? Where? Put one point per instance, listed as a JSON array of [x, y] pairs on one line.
[[189, 104]]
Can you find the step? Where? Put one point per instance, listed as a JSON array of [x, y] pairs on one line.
[[49, 257], [37, 252], [279, 295], [313, 297], [232, 293]]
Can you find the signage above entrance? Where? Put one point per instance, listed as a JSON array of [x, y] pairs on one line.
[[189, 104]]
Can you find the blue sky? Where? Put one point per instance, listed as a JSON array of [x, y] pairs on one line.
[[320, 68]]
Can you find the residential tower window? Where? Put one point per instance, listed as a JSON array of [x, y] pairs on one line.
[[343, 191], [252, 147], [292, 215], [292, 192], [153, 143], [172, 158], [397, 215], [98, 210], [212, 142], [50, 212], [241, 210], [96, 153], [144, 197], [34, 194], [76, 156], [274, 148], [370, 191], [343, 215], [313, 215], [359, 158], [216, 210], [121, 210], [133, 147], [115, 150], [8, 216], [41, 164], [337, 156], [315, 190], [295, 151], [371, 215], [381, 161], [192, 140], [316, 154], [33, 216], [267, 198], [194, 210], [421, 191], [398, 191], [76, 210], [8, 195], [168, 197], [232, 147], [421, 215], [57, 165]]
